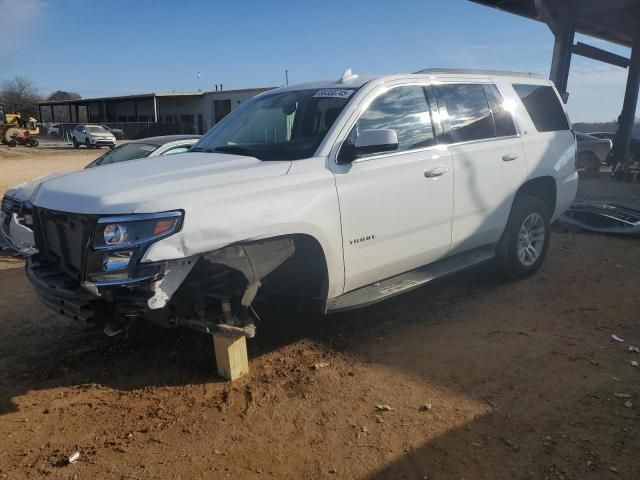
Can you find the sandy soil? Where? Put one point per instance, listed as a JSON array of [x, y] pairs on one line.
[[20, 164], [485, 380]]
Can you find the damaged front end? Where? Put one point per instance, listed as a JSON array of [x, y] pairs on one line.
[[91, 268]]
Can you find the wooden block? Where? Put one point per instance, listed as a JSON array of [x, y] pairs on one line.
[[232, 360]]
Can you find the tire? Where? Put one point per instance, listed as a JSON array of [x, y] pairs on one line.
[[75, 143], [111, 147], [12, 143], [513, 258], [87, 143]]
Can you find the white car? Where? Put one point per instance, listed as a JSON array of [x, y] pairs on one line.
[[53, 129], [342, 192], [92, 136], [16, 216]]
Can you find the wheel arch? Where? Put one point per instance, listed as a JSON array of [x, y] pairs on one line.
[[544, 188]]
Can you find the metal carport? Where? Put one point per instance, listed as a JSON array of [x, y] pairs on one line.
[[616, 21]]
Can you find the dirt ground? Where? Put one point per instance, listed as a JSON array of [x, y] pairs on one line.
[[485, 379]]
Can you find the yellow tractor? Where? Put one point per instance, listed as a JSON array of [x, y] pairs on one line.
[[16, 131]]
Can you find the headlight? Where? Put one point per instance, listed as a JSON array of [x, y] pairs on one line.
[[131, 230]]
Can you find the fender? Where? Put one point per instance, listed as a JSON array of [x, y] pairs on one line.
[[302, 202]]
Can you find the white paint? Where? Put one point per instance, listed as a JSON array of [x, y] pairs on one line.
[[399, 217]]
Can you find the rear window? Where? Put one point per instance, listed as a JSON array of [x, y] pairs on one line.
[[501, 116], [468, 112], [543, 107]]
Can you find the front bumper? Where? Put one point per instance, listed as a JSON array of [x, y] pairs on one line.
[[58, 294], [18, 236], [102, 141]]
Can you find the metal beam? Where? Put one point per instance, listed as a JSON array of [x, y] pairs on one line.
[[547, 17], [627, 117], [561, 61], [600, 55]]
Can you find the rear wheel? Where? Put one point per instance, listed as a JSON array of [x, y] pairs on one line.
[[525, 240]]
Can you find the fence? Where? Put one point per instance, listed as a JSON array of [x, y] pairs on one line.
[[132, 130]]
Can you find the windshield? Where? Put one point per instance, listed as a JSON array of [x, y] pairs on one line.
[[95, 129], [279, 126], [124, 153]]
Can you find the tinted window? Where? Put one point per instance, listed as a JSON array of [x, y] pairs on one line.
[[124, 153], [543, 107], [501, 116], [403, 109], [468, 112], [174, 150]]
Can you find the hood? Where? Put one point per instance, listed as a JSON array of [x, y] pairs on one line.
[[100, 134], [24, 191], [134, 187]]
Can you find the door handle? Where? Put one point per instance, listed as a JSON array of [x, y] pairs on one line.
[[509, 157], [435, 172]]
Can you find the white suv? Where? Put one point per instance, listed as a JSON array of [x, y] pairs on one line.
[[92, 136], [344, 192]]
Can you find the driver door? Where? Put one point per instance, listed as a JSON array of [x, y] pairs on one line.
[[396, 207]]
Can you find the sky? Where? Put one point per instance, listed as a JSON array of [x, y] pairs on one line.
[[115, 47]]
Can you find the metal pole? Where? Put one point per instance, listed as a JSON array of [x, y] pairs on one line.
[[286, 77], [627, 117], [562, 47]]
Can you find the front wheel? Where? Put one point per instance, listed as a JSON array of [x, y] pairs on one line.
[[111, 147], [525, 240], [87, 143]]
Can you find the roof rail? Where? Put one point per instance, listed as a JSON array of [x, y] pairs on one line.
[[478, 72]]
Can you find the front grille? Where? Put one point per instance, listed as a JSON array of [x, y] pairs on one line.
[[62, 240]]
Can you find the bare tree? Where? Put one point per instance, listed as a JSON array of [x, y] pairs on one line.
[[19, 95]]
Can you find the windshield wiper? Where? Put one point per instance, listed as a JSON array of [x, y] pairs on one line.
[[234, 150], [199, 149]]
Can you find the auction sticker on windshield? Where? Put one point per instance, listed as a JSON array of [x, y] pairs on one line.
[[334, 93]]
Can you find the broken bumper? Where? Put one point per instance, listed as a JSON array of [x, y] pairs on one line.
[[57, 294]]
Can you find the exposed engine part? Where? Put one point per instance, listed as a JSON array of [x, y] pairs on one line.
[[219, 288]]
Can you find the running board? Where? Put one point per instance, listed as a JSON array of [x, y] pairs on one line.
[[410, 280]]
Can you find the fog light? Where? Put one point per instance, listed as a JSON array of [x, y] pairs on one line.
[[115, 234], [114, 261]]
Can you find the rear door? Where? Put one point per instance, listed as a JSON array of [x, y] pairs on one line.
[[488, 160], [549, 142], [395, 207]]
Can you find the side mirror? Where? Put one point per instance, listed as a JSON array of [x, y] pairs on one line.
[[374, 140]]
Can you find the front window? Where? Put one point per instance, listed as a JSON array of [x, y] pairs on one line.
[[286, 125], [95, 129], [124, 153], [403, 109]]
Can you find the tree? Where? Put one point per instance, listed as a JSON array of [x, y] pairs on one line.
[[62, 95], [19, 95]]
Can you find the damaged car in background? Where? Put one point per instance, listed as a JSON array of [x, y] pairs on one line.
[[330, 195], [16, 219]]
